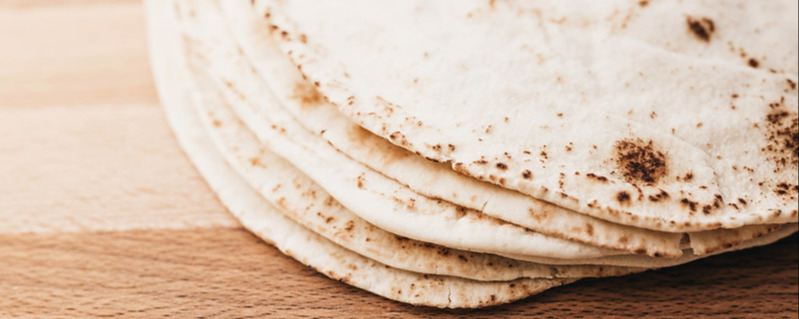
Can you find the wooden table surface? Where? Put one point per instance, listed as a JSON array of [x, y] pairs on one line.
[[102, 215]]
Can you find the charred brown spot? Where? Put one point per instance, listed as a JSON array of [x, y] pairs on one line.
[[307, 95], [255, 161], [791, 83], [638, 161], [688, 177], [689, 203], [597, 177], [527, 174], [782, 138], [502, 166], [706, 209], [659, 196], [742, 201], [623, 197], [643, 3], [785, 188], [702, 28], [360, 181], [753, 63]]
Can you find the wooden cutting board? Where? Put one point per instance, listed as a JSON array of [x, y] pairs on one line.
[[102, 215]]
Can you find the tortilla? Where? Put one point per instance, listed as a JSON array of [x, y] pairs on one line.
[[301, 200], [378, 200], [301, 98], [780, 231], [292, 239], [185, 91], [634, 114], [232, 84], [435, 180]]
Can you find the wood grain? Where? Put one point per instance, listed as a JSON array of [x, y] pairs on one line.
[[230, 273], [73, 53], [101, 214]]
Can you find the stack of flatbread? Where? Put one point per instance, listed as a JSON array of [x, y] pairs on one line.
[[471, 153]]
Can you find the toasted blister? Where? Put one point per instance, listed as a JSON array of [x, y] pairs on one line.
[[173, 82], [670, 116]]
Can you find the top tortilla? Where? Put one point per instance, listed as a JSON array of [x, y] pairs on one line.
[[668, 116]]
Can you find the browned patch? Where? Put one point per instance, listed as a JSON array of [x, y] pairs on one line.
[[785, 188], [691, 204], [527, 174], [217, 123], [623, 197], [254, 161], [639, 161], [791, 83], [597, 177], [589, 229], [659, 196], [349, 226], [460, 168], [702, 28], [360, 181], [643, 3], [753, 63], [782, 138], [502, 166], [307, 95]]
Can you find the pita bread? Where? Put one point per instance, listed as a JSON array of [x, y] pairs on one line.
[[305, 246], [584, 104]]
